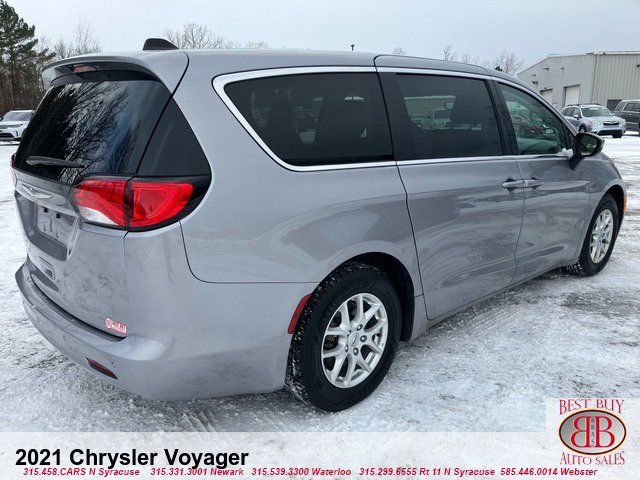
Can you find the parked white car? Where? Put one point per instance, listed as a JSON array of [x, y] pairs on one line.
[[13, 124]]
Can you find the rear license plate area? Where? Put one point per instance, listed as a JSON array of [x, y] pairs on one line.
[[56, 225]]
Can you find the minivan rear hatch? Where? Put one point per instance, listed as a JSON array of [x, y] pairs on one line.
[[95, 120]]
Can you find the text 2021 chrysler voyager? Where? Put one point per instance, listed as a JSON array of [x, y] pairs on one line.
[[214, 223]]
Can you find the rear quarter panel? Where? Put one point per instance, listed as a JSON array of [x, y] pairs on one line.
[[261, 222]]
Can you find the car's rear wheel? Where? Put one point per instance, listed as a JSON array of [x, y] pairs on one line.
[[601, 237], [617, 135], [346, 338], [582, 128]]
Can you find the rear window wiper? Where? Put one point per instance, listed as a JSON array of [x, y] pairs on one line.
[[55, 162]]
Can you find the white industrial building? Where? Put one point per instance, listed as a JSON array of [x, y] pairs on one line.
[[599, 77]]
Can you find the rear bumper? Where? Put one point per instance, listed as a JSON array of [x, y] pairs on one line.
[[213, 355]]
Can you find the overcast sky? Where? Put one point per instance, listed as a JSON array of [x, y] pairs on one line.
[[532, 29]]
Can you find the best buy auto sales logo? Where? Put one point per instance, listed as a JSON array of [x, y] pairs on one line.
[[593, 430]]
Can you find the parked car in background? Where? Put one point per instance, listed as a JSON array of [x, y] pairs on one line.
[[630, 111], [596, 119], [213, 223], [13, 124]]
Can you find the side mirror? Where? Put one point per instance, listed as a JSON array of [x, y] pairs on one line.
[[585, 145], [577, 116]]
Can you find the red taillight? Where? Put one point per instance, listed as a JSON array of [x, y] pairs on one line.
[[84, 68], [101, 200], [152, 202], [131, 203]]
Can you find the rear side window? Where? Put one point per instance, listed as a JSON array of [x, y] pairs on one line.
[[101, 120], [317, 119], [449, 116], [630, 106]]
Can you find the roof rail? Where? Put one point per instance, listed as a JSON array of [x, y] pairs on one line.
[[158, 44]]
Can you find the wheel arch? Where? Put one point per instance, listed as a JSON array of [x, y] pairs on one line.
[[617, 192], [400, 278]]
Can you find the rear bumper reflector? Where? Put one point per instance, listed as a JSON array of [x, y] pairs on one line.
[[297, 313], [98, 367]]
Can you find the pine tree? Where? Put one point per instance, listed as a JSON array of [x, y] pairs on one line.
[[20, 61]]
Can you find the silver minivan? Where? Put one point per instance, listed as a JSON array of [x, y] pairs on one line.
[[204, 223]]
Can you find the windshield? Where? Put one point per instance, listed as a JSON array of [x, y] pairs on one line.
[[17, 116], [596, 112]]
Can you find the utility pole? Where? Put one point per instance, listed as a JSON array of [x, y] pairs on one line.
[[352, 47]]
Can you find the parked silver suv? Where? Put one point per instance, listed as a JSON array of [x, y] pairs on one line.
[[220, 222], [596, 119]]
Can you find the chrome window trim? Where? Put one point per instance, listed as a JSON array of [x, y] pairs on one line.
[[426, 161], [221, 81]]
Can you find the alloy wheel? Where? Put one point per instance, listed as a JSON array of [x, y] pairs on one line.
[[601, 236], [354, 340]]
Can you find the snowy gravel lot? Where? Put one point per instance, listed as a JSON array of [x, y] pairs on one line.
[[488, 368]]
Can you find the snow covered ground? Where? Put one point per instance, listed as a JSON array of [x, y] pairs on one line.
[[486, 369]]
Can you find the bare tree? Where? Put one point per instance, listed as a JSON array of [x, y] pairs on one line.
[[399, 51], [448, 53], [508, 62], [195, 36], [84, 40], [257, 44], [471, 60], [62, 49]]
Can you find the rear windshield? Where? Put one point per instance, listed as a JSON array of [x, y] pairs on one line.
[[100, 120]]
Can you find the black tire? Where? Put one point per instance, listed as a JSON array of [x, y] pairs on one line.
[[305, 375], [582, 128], [617, 135], [585, 266]]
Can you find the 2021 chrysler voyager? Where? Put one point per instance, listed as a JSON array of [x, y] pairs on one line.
[[209, 223]]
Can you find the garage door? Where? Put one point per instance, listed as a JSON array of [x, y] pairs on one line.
[[571, 95]]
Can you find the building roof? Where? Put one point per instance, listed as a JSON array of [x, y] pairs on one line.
[[603, 52]]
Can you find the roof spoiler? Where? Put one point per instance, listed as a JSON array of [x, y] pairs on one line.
[[158, 44]]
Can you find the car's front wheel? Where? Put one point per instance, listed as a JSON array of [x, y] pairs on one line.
[[601, 237], [345, 339], [582, 129]]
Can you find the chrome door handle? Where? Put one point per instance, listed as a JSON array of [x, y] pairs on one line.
[[533, 182], [511, 184]]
